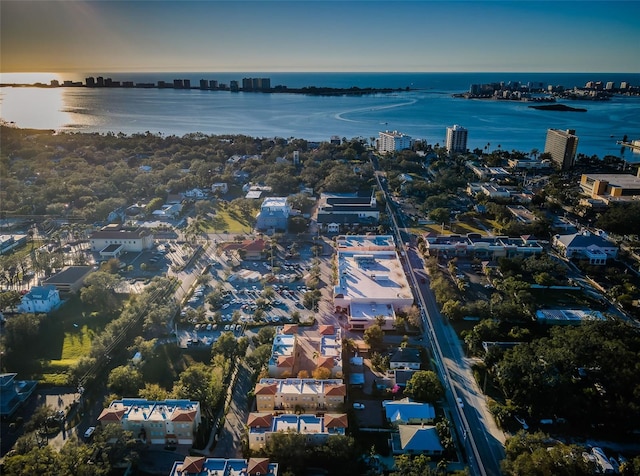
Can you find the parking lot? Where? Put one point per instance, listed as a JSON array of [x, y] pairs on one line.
[[244, 303]]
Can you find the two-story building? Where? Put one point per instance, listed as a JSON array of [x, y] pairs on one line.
[[585, 245], [125, 239], [40, 299]]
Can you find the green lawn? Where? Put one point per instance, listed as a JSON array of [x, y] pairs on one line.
[[64, 337], [226, 220]]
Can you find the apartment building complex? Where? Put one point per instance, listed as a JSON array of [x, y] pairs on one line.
[[456, 139], [562, 145], [393, 141]]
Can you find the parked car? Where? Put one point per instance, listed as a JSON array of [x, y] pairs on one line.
[[89, 433], [460, 402], [358, 406]]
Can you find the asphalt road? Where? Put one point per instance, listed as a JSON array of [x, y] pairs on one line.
[[488, 438]]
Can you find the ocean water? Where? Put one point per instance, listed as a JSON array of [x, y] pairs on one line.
[[424, 112]]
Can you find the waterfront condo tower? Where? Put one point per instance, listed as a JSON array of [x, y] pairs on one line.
[[393, 141], [562, 145], [456, 139]]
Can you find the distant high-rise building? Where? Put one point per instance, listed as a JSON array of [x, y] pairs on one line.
[[233, 85], [562, 145], [100, 81], [265, 84], [393, 141], [186, 83], [177, 83], [213, 84], [624, 85], [456, 139], [90, 82], [610, 85], [247, 84], [204, 84]]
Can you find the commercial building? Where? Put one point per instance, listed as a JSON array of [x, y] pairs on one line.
[[340, 212], [274, 214], [309, 395], [562, 145], [456, 139], [585, 245], [128, 239], [372, 284], [161, 422], [317, 429], [478, 246], [9, 242], [393, 141], [566, 317], [70, 279], [203, 466], [611, 187]]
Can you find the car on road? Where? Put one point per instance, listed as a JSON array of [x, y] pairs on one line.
[[358, 406], [89, 433], [460, 402]]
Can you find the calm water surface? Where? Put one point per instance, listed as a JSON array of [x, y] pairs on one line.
[[423, 113]]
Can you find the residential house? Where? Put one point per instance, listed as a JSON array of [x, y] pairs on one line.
[[416, 439], [40, 299], [408, 412], [405, 358], [219, 187], [13, 393]]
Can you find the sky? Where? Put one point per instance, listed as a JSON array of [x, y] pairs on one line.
[[321, 35]]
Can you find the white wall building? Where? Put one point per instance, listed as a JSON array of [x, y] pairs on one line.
[[456, 139], [392, 141], [371, 281], [40, 299]]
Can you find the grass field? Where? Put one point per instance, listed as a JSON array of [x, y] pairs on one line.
[[64, 337]]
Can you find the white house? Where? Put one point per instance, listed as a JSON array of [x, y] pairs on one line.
[[40, 299]]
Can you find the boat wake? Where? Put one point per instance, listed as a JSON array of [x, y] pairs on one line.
[[340, 115]]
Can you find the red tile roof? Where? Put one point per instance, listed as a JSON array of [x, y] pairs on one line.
[[183, 415], [339, 390], [266, 389], [193, 464], [258, 466], [109, 415], [332, 420], [262, 420]]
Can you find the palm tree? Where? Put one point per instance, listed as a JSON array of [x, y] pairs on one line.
[[534, 153]]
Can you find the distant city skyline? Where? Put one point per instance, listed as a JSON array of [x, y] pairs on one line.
[[358, 36]]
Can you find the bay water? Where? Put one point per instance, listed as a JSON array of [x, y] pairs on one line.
[[423, 112]]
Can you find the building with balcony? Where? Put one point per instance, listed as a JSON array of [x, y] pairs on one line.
[[456, 140], [308, 395], [563, 146], [283, 350], [317, 429], [393, 141], [203, 466], [161, 422]]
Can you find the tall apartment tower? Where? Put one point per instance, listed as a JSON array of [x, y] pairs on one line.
[[389, 141], [562, 145], [456, 139]]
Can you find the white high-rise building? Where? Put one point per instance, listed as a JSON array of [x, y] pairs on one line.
[[456, 139], [393, 141]]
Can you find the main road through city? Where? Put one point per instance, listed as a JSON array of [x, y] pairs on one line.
[[477, 432]]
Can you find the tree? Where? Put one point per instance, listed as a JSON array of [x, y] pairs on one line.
[[407, 465], [321, 373], [9, 299], [202, 383], [373, 336], [125, 381], [99, 290], [425, 386], [153, 392]]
